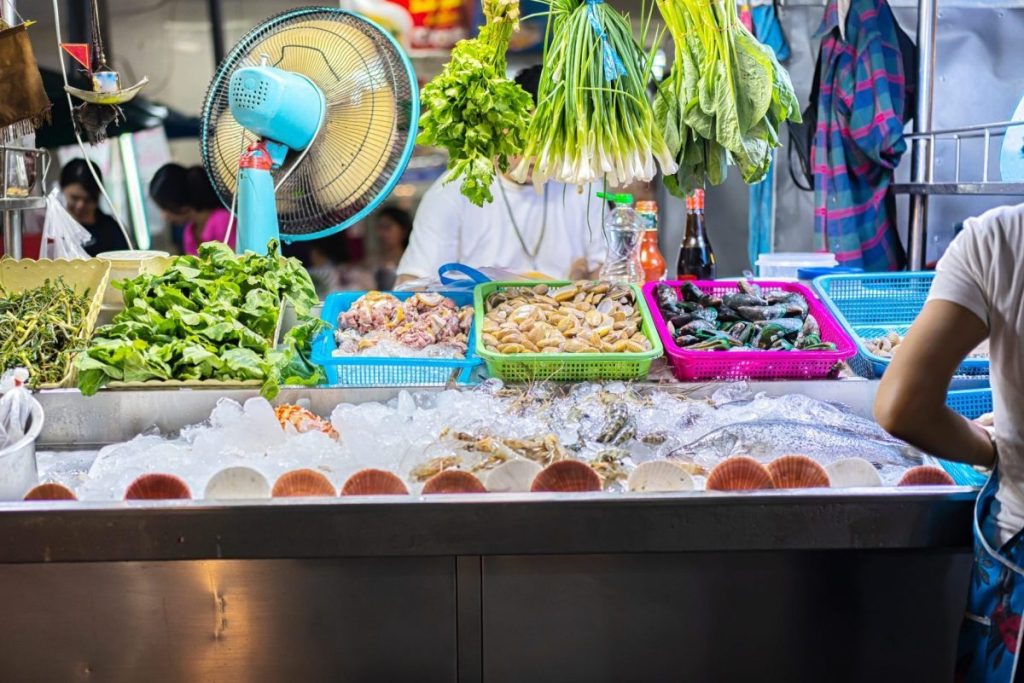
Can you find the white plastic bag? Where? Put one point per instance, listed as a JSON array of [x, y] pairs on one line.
[[15, 406], [63, 237]]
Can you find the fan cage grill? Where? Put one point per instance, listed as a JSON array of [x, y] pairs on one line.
[[354, 162]]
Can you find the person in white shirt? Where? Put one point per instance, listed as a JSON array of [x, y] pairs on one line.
[[556, 231], [978, 293]]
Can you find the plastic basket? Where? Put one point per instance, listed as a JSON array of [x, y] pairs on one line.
[[81, 274], [971, 403], [705, 365], [368, 371], [566, 367], [872, 305]]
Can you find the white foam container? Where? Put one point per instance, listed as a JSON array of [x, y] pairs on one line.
[[785, 264]]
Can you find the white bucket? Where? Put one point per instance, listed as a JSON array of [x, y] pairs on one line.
[[18, 472]]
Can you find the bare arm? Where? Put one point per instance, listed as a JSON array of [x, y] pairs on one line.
[[911, 400]]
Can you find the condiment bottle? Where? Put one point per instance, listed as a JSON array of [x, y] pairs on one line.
[[651, 260], [622, 232], [696, 257]]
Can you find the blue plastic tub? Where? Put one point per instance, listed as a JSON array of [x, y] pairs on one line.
[[370, 371], [870, 305]]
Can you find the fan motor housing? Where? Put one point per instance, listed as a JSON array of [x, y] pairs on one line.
[[277, 104]]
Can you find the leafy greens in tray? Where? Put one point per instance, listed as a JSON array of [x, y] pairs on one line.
[[208, 317]]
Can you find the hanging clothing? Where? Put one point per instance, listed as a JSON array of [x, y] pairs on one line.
[[859, 138], [761, 215]]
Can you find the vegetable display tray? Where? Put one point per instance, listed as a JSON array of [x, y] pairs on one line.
[[871, 305], [206, 383], [369, 371], [81, 274], [565, 367], [689, 365]]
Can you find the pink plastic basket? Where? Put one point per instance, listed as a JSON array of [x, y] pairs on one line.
[[703, 365]]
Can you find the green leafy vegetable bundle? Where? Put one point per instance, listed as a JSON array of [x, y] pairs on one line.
[[593, 118], [725, 99], [473, 110], [211, 316], [41, 330]]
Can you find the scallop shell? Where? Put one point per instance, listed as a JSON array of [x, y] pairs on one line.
[[512, 476], [157, 487], [373, 482], [659, 475], [50, 491], [739, 473], [797, 472], [852, 473], [926, 475], [237, 483], [453, 481], [303, 483], [566, 476]]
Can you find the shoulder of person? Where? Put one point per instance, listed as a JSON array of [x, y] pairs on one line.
[[1003, 220]]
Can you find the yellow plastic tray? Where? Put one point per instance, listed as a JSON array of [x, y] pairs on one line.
[[81, 274]]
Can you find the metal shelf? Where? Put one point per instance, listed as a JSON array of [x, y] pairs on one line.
[[962, 188], [22, 203]]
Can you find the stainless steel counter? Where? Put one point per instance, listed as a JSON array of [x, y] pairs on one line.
[[858, 585]]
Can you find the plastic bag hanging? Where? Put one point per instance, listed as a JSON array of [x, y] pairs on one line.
[[15, 406], [24, 105], [63, 237]]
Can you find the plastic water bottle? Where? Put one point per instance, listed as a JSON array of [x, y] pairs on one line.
[[623, 232]]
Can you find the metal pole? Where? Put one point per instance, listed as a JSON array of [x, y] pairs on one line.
[[217, 29], [12, 234], [920, 166]]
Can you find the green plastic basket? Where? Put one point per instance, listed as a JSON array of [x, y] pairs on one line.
[[564, 367]]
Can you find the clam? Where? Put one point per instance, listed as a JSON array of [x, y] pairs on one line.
[[926, 475], [157, 487], [739, 473], [797, 472]]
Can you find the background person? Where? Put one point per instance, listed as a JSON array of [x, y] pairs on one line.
[[186, 196], [82, 200], [556, 231], [978, 293]]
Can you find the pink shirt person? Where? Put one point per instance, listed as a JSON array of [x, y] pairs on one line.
[[215, 229]]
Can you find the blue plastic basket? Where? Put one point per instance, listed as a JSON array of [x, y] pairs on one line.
[[870, 305], [367, 371], [972, 404]]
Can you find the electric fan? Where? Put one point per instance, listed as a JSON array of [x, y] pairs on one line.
[[308, 124]]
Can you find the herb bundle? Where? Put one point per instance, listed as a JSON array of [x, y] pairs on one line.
[[725, 99], [593, 118], [473, 110], [208, 317], [41, 329]]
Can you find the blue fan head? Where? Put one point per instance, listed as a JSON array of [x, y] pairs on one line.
[[282, 106]]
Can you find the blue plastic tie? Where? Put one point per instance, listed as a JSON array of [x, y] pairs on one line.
[[613, 66]]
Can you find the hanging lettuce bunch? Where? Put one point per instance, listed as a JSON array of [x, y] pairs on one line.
[[473, 110], [725, 99], [593, 118]]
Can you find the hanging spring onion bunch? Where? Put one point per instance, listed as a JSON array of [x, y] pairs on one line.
[[473, 110], [725, 99], [593, 118]]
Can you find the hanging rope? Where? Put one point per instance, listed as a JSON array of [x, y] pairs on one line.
[[81, 145]]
